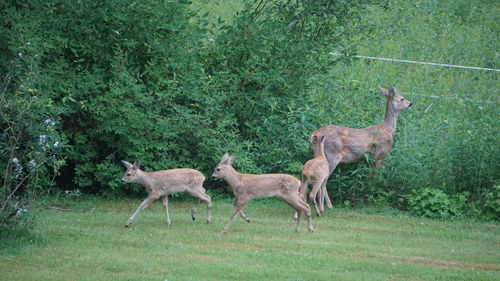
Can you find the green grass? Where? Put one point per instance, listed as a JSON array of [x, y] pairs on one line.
[[346, 245]]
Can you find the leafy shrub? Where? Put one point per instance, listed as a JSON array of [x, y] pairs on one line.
[[491, 203], [30, 148], [434, 203]]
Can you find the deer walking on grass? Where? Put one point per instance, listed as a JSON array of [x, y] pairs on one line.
[[248, 186], [316, 172], [162, 183], [346, 145]]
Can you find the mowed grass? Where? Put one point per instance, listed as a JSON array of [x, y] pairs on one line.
[[346, 245]]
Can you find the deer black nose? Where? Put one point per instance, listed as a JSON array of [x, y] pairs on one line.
[[409, 105]]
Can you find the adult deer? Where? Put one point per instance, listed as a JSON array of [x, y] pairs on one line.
[[248, 186], [162, 183], [346, 145]]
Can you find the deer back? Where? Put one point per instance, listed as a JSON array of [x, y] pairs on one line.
[[163, 182], [349, 143], [257, 186], [269, 185], [177, 180]]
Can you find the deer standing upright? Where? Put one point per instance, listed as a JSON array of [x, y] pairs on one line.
[[346, 145], [162, 183], [248, 186], [316, 172]]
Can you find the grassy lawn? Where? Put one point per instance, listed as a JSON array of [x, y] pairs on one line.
[[346, 245]]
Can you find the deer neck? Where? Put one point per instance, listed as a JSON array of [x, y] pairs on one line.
[[233, 178], [145, 179], [319, 150], [391, 118]]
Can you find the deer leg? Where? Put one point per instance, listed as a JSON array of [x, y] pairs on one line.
[[312, 196], [194, 209], [325, 195], [164, 200], [201, 195], [321, 198], [333, 162], [301, 207], [243, 216], [307, 210], [304, 183], [303, 192], [143, 205], [238, 205]]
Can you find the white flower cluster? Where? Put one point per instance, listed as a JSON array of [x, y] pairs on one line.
[[18, 167], [20, 211], [46, 149], [50, 122], [43, 139]]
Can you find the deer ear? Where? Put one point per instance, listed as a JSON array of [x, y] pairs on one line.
[[392, 90], [126, 164], [323, 138], [224, 157], [384, 91], [230, 159], [315, 139], [136, 165]]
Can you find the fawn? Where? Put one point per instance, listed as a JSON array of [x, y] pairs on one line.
[[316, 172], [162, 183], [248, 186]]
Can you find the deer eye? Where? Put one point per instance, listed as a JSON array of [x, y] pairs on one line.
[[128, 175], [218, 169]]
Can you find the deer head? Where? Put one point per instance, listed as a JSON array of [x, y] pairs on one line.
[[395, 100], [224, 166], [317, 143], [131, 173]]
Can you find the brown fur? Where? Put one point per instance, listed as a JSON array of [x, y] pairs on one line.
[[162, 183], [248, 186], [346, 145], [316, 172]]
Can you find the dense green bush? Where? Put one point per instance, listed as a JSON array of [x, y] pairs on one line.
[[434, 203], [120, 74]]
